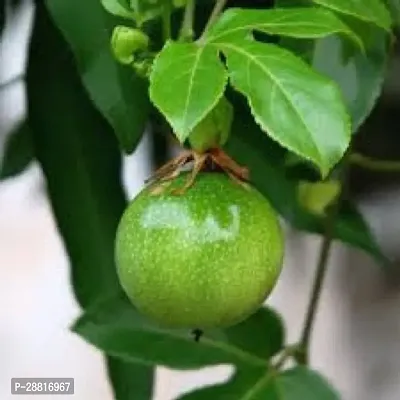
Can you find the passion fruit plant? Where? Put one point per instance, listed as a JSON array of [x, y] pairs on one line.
[[264, 99]]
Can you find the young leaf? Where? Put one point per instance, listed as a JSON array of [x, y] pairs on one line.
[[297, 107], [186, 83], [119, 94], [81, 162], [294, 384], [115, 327], [373, 11], [292, 22], [119, 8], [18, 152]]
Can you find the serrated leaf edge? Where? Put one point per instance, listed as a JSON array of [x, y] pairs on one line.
[[323, 167], [183, 137], [258, 27], [357, 16]]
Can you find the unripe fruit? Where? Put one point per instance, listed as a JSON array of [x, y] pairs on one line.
[[206, 258]]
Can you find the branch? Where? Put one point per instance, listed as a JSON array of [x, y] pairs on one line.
[[287, 353], [166, 21], [373, 164], [218, 8], [187, 32], [302, 355]]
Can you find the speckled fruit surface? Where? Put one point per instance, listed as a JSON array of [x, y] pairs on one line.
[[207, 258]]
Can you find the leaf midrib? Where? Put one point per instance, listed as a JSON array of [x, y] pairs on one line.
[[264, 27], [241, 355], [192, 75], [271, 76], [259, 384], [277, 22]]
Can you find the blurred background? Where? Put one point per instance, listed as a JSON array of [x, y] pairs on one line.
[[356, 342]]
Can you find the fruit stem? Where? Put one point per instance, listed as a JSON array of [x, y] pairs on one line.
[[187, 32], [218, 8], [303, 354]]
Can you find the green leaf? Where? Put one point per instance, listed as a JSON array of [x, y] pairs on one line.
[[394, 7], [238, 388], [129, 381], [297, 107], [119, 330], [116, 91], [359, 75], [82, 166], [249, 146], [18, 152], [352, 228], [302, 383], [292, 22], [186, 83], [295, 384], [119, 8], [373, 11], [179, 3], [262, 334]]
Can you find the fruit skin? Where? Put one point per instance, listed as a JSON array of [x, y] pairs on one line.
[[204, 259]]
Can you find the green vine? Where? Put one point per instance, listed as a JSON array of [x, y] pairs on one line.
[[187, 31], [216, 12], [373, 164]]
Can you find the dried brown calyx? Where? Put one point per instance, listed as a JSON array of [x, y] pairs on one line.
[[212, 160]]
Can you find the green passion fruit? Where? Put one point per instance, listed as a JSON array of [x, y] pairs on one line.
[[206, 258]]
